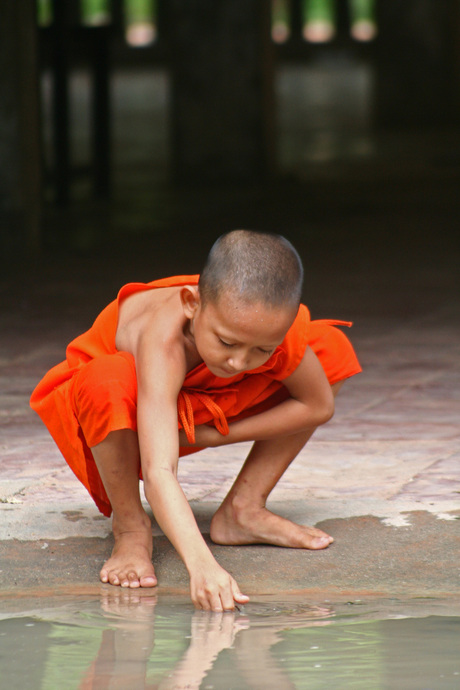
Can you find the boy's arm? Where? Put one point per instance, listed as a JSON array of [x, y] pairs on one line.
[[160, 373], [311, 403]]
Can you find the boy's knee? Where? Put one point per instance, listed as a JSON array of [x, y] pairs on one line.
[[325, 408], [328, 411], [325, 412]]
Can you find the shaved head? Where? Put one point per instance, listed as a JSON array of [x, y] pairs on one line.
[[253, 267]]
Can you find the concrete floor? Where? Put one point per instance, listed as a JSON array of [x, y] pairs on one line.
[[379, 238]]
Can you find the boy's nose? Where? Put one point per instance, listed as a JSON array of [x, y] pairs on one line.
[[238, 362]]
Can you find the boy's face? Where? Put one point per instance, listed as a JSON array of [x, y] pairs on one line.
[[232, 337]]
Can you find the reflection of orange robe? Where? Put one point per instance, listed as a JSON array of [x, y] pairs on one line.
[[94, 390]]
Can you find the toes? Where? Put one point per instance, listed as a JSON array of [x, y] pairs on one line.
[[318, 539], [315, 532], [127, 579], [320, 542], [133, 580], [114, 579], [108, 576]]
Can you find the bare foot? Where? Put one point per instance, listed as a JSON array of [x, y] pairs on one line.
[[130, 564], [261, 526]]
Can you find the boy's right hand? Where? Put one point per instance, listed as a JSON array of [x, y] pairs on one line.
[[213, 589]]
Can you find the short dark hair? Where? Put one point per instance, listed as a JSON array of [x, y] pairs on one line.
[[253, 267]]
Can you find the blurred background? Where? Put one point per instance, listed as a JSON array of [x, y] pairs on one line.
[[134, 132]]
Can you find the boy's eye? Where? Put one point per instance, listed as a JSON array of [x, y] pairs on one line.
[[224, 343]]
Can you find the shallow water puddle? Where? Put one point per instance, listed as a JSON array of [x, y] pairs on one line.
[[128, 640]]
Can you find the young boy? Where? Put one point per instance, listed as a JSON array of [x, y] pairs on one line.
[[224, 357]]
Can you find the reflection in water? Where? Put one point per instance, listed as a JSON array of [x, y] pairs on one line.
[[128, 639], [127, 646], [251, 644]]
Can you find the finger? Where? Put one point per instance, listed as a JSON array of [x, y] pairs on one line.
[[228, 603], [203, 604], [200, 603], [238, 596], [204, 601], [216, 603]]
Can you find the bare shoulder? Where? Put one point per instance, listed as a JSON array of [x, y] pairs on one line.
[[308, 375], [151, 314]]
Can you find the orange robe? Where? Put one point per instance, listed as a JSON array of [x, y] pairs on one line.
[[94, 390]]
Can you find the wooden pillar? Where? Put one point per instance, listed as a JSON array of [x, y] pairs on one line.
[[20, 154], [101, 111], [61, 107], [222, 90], [417, 70]]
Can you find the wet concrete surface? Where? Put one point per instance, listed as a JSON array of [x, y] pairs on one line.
[[367, 559], [383, 477]]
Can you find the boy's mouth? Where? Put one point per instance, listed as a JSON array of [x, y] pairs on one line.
[[223, 372]]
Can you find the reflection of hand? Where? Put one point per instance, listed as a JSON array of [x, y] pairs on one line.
[[211, 634], [214, 632]]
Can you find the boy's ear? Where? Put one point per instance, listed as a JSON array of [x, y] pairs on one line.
[[190, 298]]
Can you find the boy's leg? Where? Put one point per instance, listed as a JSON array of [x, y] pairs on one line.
[[243, 518], [105, 394], [117, 459]]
